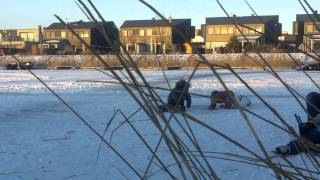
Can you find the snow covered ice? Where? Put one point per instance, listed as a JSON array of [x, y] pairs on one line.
[[42, 139]]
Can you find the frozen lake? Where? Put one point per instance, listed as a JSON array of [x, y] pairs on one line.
[[42, 139]]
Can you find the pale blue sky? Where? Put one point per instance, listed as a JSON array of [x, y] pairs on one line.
[[31, 13]]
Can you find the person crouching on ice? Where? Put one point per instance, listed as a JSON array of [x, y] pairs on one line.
[[178, 96], [309, 139], [225, 101]]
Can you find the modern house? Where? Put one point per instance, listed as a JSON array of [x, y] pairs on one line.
[[308, 34], [257, 30], [156, 36], [57, 34], [19, 38]]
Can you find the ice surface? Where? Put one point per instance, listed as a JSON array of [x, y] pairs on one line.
[[42, 139]]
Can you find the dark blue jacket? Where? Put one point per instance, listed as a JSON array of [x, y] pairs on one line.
[[177, 97]]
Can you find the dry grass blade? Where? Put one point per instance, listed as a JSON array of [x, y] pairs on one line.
[[176, 130], [105, 131], [147, 145]]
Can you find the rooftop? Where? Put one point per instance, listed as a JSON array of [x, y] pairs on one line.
[[153, 23], [78, 25], [242, 20], [306, 17]]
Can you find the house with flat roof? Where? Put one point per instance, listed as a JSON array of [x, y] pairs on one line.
[[23, 41], [19, 38], [156, 36], [58, 32], [307, 27], [257, 30]]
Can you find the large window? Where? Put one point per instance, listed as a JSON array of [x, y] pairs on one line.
[[221, 30], [230, 30], [211, 30], [69, 34], [310, 28], [245, 30], [84, 34], [136, 32], [133, 32], [259, 29], [47, 34], [57, 34], [27, 36], [165, 32], [141, 32], [217, 30], [224, 30], [63, 34], [52, 34], [124, 33], [24, 36], [155, 32], [252, 30], [237, 31]]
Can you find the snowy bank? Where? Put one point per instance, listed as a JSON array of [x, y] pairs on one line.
[[278, 60]]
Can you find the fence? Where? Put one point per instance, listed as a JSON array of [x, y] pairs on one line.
[[277, 60]]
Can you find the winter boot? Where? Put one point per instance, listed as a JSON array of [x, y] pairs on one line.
[[282, 150], [163, 108]]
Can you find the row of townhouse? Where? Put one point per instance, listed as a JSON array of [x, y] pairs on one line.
[[56, 38], [172, 36]]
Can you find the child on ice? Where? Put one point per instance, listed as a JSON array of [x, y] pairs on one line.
[[177, 97], [225, 101]]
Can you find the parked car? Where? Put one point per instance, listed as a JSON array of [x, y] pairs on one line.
[[311, 67], [26, 65], [12, 66]]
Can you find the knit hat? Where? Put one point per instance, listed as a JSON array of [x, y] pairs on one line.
[[182, 84]]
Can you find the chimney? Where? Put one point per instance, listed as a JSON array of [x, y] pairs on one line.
[[153, 19], [40, 34], [316, 11], [170, 19]]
